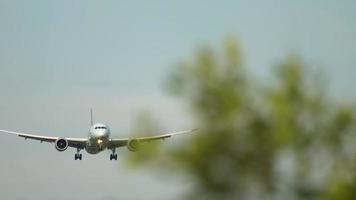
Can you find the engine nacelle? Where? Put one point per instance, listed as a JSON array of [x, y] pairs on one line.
[[133, 145], [61, 144]]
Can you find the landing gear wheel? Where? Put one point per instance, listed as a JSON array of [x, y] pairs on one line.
[[78, 156], [113, 156]]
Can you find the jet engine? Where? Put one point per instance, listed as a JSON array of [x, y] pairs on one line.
[[61, 144], [133, 145]]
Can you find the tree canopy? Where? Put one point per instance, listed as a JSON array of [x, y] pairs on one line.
[[284, 138]]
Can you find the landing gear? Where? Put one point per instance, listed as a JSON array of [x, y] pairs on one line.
[[113, 156], [78, 156]]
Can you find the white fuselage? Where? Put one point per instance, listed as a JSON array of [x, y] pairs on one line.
[[98, 138]]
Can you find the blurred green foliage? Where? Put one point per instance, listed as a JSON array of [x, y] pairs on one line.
[[275, 139]]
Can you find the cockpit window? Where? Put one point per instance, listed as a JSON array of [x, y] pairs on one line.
[[100, 127]]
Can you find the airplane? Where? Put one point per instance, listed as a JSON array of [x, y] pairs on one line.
[[97, 141]]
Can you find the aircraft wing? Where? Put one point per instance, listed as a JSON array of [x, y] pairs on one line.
[[72, 142], [115, 143]]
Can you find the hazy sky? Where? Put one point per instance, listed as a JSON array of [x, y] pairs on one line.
[[59, 58]]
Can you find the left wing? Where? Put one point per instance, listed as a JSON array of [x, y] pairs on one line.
[[72, 142], [115, 143]]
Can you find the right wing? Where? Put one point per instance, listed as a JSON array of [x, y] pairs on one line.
[[115, 143], [72, 142]]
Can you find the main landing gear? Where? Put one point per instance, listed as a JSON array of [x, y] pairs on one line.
[[113, 156], [78, 156]]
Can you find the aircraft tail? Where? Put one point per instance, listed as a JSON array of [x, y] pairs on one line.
[[91, 116]]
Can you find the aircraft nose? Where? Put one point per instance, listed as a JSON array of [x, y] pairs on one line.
[[101, 133]]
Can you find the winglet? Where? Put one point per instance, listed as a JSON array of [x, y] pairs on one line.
[[195, 129]]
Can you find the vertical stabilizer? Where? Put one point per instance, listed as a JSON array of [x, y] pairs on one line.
[[91, 116]]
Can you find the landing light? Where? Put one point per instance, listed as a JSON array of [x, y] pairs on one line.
[[100, 141]]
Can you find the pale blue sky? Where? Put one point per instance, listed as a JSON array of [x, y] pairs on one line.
[[58, 58], [128, 46]]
